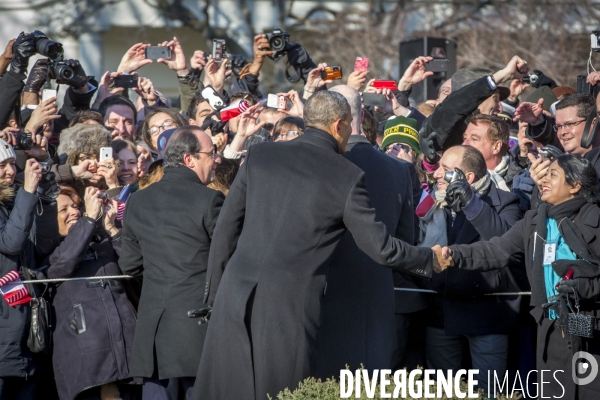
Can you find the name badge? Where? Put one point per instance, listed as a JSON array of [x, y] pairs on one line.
[[549, 253]]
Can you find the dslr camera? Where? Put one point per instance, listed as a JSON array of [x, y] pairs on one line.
[[278, 41], [531, 78], [57, 70]]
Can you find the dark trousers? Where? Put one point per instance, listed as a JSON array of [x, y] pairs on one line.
[[12, 388], [488, 353], [168, 389]]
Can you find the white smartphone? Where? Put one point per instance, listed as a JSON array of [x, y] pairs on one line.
[[105, 153], [272, 101], [48, 94]]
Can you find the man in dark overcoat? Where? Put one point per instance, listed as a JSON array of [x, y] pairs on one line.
[[166, 237], [357, 320], [285, 213]]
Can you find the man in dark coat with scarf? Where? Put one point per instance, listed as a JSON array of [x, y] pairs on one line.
[[358, 320], [285, 213], [166, 237]]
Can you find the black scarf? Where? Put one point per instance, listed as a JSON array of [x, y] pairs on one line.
[[572, 236]]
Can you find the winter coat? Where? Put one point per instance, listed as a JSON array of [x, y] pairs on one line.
[[554, 350], [449, 119], [24, 237], [167, 233], [462, 308], [95, 321], [286, 212], [358, 324]]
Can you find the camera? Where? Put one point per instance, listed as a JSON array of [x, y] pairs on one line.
[[595, 41], [549, 152], [24, 141], [57, 69], [48, 48], [450, 176], [278, 39], [530, 78]]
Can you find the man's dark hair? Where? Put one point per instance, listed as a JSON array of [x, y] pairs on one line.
[[115, 101], [183, 141], [498, 129], [473, 161], [584, 103], [249, 97], [196, 101], [325, 107], [579, 170], [369, 127], [86, 115]]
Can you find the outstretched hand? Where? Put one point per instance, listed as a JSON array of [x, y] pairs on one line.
[[442, 258]]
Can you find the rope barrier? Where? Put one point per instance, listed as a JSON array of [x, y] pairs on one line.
[[90, 278], [487, 294]]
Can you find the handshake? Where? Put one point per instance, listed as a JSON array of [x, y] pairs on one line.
[[442, 258]]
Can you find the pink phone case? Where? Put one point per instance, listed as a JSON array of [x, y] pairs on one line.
[[361, 64]]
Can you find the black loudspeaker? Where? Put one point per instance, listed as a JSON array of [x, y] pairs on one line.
[[428, 46]]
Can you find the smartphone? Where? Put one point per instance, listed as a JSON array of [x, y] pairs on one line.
[[156, 52], [218, 50], [361, 64], [437, 65], [213, 98], [383, 84], [374, 99], [334, 72], [126, 81], [105, 153], [48, 94], [272, 101]]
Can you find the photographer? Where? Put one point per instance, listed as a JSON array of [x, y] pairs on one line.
[[24, 237], [12, 84], [93, 338], [468, 209]]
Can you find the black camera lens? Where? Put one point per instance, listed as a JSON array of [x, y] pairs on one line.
[[49, 48], [277, 43], [335, 69], [63, 72]]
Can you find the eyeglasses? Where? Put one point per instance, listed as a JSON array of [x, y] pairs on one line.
[[289, 135], [212, 153], [567, 126], [156, 129]]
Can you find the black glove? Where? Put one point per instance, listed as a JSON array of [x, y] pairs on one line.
[[542, 80], [37, 76], [568, 286], [48, 190], [426, 145], [79, 77], [458, 192], [23, 48]]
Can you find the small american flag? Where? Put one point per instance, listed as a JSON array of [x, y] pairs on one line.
[[13, 290]]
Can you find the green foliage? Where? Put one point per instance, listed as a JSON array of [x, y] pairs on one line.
[[315, 389]]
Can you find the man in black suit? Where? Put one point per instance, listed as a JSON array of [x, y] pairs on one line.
[[285, 213], [166, 237], [357, 320], [467, 210]]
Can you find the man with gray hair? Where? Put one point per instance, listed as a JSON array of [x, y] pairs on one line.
[[271, 250], [166, 237]]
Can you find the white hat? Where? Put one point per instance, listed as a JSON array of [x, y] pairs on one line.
[[6, 151]]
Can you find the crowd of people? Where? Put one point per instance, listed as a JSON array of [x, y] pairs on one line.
[[218, 246]]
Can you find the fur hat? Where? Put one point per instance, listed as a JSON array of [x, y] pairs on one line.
[[82, 138]]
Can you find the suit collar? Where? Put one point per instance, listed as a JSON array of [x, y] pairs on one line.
[[320, 138], [180, 174]]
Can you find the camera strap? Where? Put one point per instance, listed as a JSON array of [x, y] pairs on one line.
[[590, 130]]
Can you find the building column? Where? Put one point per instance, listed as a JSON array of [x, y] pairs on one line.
[[91, 53]]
